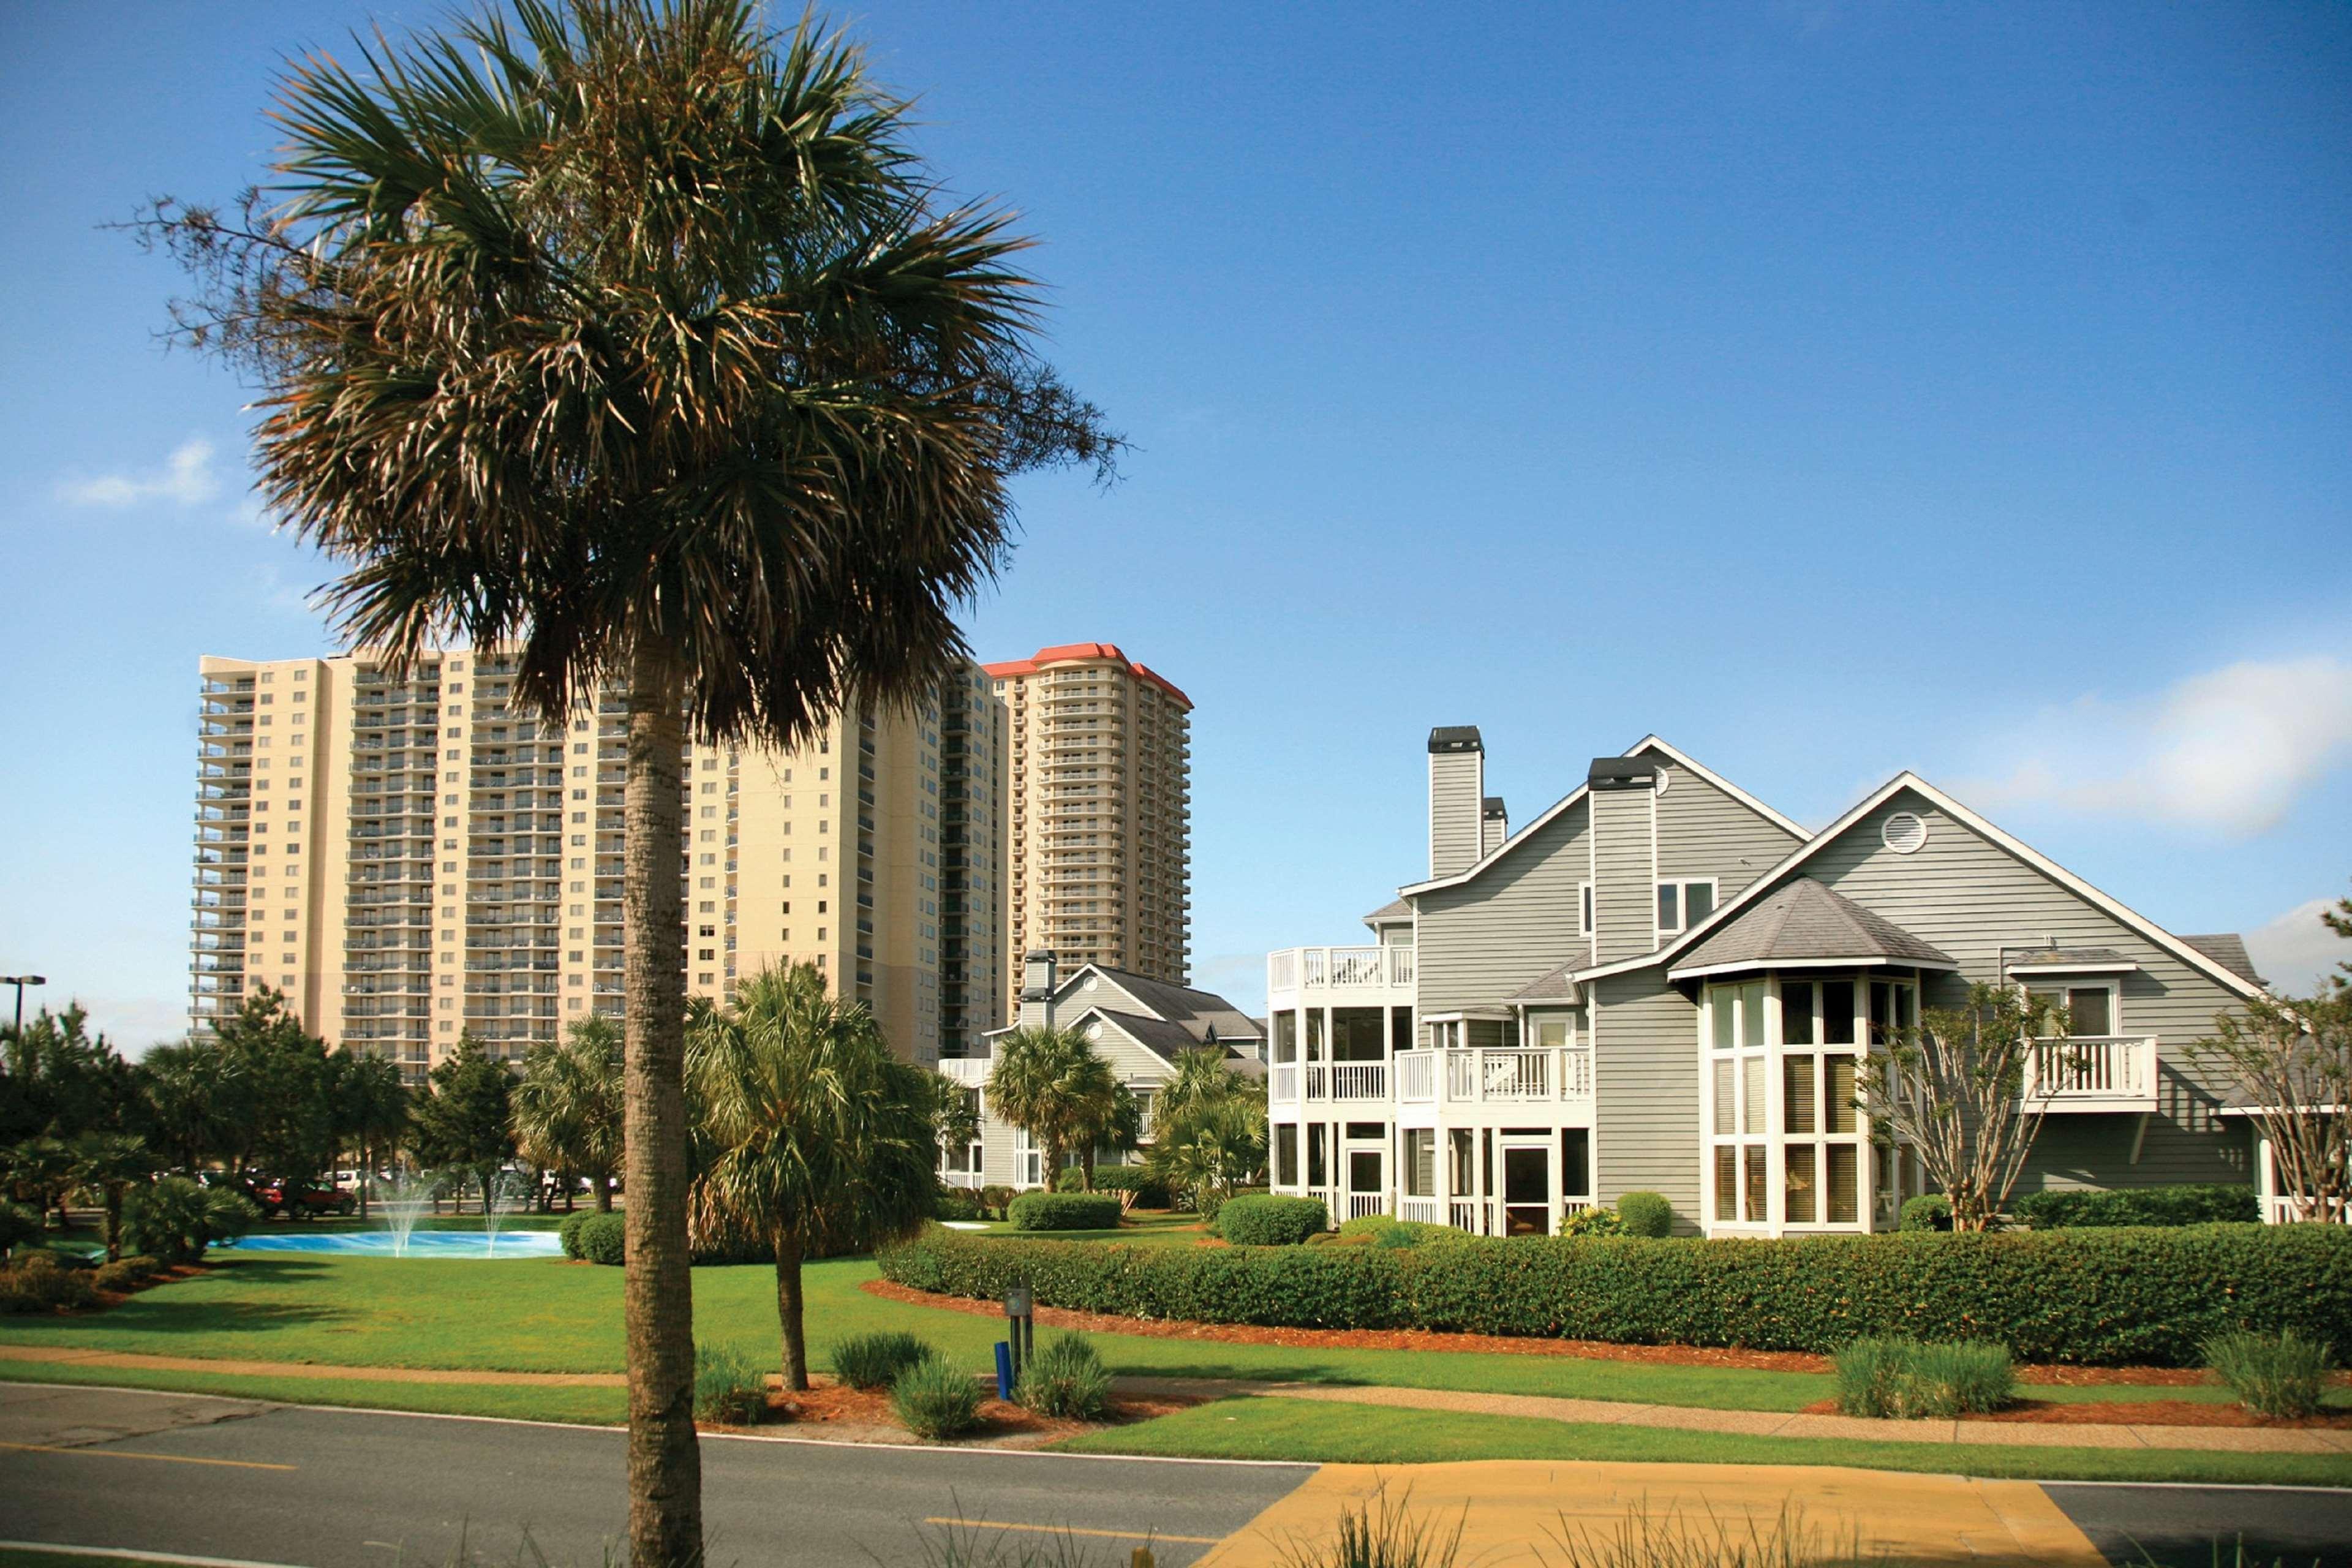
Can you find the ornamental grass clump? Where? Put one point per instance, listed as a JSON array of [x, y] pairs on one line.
[[935, 1399], [728, 1388], [1067, 1379], [877, 1360], [1902, 1379], [2283, 1375]]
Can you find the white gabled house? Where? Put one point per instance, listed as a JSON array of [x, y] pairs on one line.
[[1139, 1026], [1661, 982]]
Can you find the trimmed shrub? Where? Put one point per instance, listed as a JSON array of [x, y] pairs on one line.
[[1271, 1221], [877, 1360], [1598, 1220], [602, 1238], [37, 1283], [124, 1274], [1929, 1211], [1902, 1379], [1645, 1213], [2282, 1375], [2126, 1297], [1066, 1379], [1385, 1231], [568, 1233], [956, 1203], [1135, 1184], [936, 1399], [728, 1388], [2214, 1202], [1064, 1211], [174, 1219]]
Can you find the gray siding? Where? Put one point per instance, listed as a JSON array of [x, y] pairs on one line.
[[1971, 898], [1626, 912], [1645, 1093], [1705, 832], [1456, 783], [1515, 921]]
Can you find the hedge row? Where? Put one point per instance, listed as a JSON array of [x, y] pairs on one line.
[[2124, 1297], [2189, 1203]]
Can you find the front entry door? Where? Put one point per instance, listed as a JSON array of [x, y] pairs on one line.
[[1526, 1190], [1368, 1187]]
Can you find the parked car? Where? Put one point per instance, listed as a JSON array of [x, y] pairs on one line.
[[308, 1199]]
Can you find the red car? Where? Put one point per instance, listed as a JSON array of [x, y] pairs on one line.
[[306, 1199]]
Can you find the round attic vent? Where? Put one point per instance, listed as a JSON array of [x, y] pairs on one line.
[[1093, 1031], [1904, 832], [1089, 985]]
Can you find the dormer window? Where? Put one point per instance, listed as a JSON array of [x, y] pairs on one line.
[[1682, 905]]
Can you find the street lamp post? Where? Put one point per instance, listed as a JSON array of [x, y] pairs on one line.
[[20, 982]]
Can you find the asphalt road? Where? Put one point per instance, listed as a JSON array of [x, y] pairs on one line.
[[2180, 1527], [334, 1488], [328, 1488]]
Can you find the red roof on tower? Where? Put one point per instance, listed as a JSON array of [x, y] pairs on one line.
[[1074, 652]]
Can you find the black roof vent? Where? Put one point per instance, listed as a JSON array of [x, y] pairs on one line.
[[1622, 773], [1455, 738]]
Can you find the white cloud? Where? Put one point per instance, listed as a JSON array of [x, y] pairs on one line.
[[2231, 750], [2295, 952], [187, 478]]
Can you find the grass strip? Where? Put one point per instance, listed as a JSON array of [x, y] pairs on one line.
[[1275, 1428], [591, 1406]]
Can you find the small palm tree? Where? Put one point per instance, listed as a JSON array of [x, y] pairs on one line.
[[107, 1165], [567, 1108], [631, 335], [1212, 1148], [1200, 1077], [816, 1139], [1050, 1083]]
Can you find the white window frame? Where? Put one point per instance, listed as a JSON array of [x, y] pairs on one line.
[[2064, 984], [1770, 1132], [1681, 885], [1028, 1160]]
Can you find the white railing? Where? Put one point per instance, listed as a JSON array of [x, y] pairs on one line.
[[1422, 1211], [2278, 1208], [1360, 1205], [1359, 1081], [2101, 1071], [1382, 968], [1416, 1077], [1466, 1213], [1284, 1081], [970, 1071], [970, 1179]]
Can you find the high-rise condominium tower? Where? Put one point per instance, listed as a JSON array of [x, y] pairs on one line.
[[1101, 796], [410, 861]]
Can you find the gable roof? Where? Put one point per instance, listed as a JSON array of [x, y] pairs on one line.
[[1555, 986], [1201, 1014], [1647, 743], [2227, 949], [1756, 892], [1396, 911], [1804, 923]]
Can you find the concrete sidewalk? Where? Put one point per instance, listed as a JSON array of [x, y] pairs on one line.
[[1529, 1512]]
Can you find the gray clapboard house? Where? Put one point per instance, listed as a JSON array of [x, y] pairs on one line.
[[1139, 1024], [1661, 982]]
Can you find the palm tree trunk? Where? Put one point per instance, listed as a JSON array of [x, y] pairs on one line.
[[656, 1286], [604, 1194], [113, 1223], [788, 1312], [367, 1179]]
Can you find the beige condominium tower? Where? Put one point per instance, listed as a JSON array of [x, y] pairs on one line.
[[1101, 812], [410, 861]]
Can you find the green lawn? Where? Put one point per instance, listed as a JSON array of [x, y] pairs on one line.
[[1377, 1435], [588, 1407], [551, 1315]]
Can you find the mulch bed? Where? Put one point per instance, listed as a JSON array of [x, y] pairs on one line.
[[865, 1416], [1494, 1344], [2132, 1413]]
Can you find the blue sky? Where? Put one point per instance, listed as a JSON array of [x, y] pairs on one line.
[[1830, 389]]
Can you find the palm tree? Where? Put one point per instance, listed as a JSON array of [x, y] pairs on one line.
[[197, 1093], [1050, 1083], [1200, 1077], [818, 1140], [370, 1110], [567, 1109], [631, 336], [1211, 1148], [110, 1165]]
